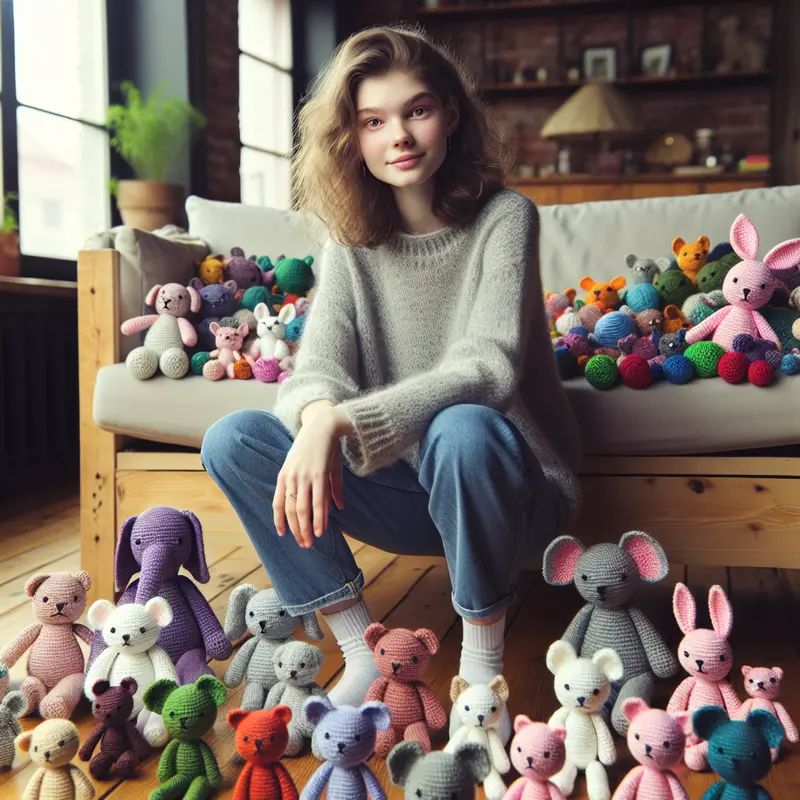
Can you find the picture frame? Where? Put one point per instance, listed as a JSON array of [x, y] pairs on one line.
[[600, 63], [655, 61]]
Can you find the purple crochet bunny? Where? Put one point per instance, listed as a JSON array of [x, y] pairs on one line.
[[157, 544], [757, 349]]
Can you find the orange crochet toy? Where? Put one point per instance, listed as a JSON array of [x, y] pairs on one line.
[[691, 256], [674, 320], [603, 295]]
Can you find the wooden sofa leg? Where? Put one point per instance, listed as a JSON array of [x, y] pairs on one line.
[[98, 345]]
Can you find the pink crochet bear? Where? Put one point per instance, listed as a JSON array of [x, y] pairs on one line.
[[229, 344], [749, 285], [401, 656], [764, 685], [55, 665], [708, 658], [537, 753], [656, 740]]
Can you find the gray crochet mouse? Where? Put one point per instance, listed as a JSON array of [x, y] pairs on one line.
[[296, 665], [438, 775], [607, 577], [271, 624], [11, 709]]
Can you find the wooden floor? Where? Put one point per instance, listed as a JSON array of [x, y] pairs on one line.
[[413, 592]]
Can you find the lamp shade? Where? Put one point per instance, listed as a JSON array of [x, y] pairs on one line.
[[594, 108]]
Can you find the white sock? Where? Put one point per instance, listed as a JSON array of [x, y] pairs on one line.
[[481, 659], [348, 627]]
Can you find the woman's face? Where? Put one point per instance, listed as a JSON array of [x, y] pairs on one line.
[[402, 129]]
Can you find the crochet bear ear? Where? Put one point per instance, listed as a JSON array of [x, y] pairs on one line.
[[23, 741], [521, 721], [457, 687], [373, 634], [128, 685], [213, 687], [400, 760], [499, 686], [157, 694], [100, 687], [34, 582], [283, 714], [708, 720], [379, 714], [474, 758], [634, 706], [559, 654], [768, 725], [237, 717], [428, 638], [315, 708]]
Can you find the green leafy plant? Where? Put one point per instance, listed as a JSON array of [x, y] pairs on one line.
[[149, 135], [10, 222]]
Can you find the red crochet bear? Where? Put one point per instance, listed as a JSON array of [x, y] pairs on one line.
[[261, 739], [122, 747], [401, 656]]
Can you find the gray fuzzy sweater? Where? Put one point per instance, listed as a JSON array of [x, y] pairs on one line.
[[398, 332]]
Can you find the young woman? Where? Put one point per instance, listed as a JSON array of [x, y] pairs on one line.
[[425, 361]]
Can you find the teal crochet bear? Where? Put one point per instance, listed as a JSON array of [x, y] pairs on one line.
[[739, 751], [188, 768]]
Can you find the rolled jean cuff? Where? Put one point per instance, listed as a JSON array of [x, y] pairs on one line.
[[489, 611], [349, 591]]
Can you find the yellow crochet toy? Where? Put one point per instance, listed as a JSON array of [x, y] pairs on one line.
[[211, 269], [603, 295], [674, 320], [691, 256]]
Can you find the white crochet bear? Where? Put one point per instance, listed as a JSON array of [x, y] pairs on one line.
[[131, 633], [480, 708], [582, 686]]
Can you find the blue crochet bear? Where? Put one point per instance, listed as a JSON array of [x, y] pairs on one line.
[[739, 751], [344, 738]]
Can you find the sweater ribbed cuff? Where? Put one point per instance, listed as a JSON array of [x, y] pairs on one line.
[[376, 433]]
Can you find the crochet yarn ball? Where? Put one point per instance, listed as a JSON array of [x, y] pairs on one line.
[[701, 306], [760, 373], [267, 370], [634, 371], [602, 372], [612, 327], [781, 321], [678, 369], [674, 287], [790, 364], [242, 370], [567, 363], [733, 367], [643, 296], [199, 361], [213, 370], [705, 358], [255, 295]]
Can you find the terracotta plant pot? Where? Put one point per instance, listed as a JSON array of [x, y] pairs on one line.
[[9, 254], [148, 205]]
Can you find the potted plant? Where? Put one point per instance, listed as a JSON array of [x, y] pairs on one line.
[[9, 239], [149, 136]]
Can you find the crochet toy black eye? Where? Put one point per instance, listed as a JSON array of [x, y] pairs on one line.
[[172, 715], [566, 686], [596, 692], [142, 630], [44, 599], [751, 680], [771, 680], [519, 749], [686, 654], [180, 540], [180, 297], [252, 613], [281, 613], [721, 751], [327, 736], [302, 665], [61, 743], [247, 738], [722, 657], [35, 749], [280, 665], [546, 754], [74, 598], [113, 630], [272, 737], [494, 709], [414, 659], [584, 578], [358, 737], [418, 793], [736, 280], [763, 285], [624, 576], [466, 708], [636, 736], [383, 652], [138, 541], [667, 745]]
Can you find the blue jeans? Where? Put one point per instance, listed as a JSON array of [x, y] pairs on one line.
[[480, 499]]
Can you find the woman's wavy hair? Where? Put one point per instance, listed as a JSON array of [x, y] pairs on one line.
[[327, 175]]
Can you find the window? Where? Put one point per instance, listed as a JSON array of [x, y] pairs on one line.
[[265, 101]]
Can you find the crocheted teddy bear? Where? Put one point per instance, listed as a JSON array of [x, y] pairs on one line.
[[245, 271], [168, 331], [582, 685], [738, 751], [262, 613], [691, 256], [296, 665], [603, 295], [131, 635], [261, 739], [645, 270], [764, 686], [51, 745], [480, 708], [402, 656], [55, 664], [438, 775], [217, 302], [122, 747], [187, 767], [656, 740], [11, 709], [537, 753], [607, 576], [708, 658], [344, 738]]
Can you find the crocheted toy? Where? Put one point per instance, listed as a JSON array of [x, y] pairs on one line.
[[245, 271], [11, 709], [577, 342], [674, 320], [229, 343], [764, 686], [749, 285], [644, 346], [55, 664], [296, 665], [645, 270], [782, 320], [438, 775], [402, 656], [168, 331], [294, 275], [656, 740], [648, 321], [211, 269], [699, 307], [51, 746], [738, 751], [705, 358], [131, 635], [674, 287], [582, 685], [678, 369], [261, 613], [187, 768], [122, 747], [712, 276], [556, 303], [607, 576], [603, 295], [707, 656], [584, 317], [671, 344], [480, 708], [635, 372], [344, 738], [261, 738], [537, 753], [271, 341], [757, 349], [602, 372], [691, 256], [217, 301]]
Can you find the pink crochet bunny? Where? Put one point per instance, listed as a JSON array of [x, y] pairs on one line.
[[537, 753], [764, 685], [656, 740], [748, 286], [229, 342], [707, 656]]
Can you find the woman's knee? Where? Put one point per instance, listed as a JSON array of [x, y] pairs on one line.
[[226, 439]]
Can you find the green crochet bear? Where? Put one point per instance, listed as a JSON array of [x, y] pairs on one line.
[[187, 768]]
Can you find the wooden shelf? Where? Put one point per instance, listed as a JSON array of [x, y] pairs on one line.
[[39, 286]]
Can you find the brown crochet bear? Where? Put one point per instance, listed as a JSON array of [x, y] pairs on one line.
[[401, 656], [121, 745]]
